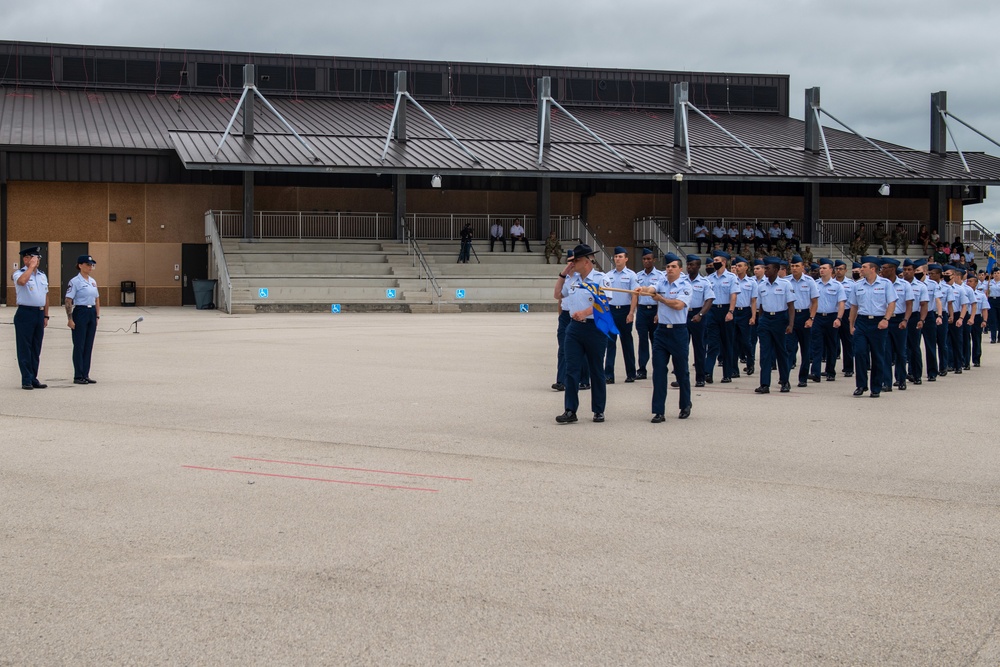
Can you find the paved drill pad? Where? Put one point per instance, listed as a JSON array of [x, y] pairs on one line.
[[809, 528]]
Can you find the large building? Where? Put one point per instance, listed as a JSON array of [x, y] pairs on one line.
[[119, 153]]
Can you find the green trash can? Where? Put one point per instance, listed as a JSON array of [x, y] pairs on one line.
[[204, 294]]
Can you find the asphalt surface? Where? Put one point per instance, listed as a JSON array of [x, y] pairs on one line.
[[393, 489]]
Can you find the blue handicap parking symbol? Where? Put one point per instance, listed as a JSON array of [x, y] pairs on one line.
[[390, 294], [335, 308], [524, 307], [262, 292], [460, 294]]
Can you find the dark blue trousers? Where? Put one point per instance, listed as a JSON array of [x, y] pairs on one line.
[[670, 343], [585, 346], [741, 327], [620, 315], [846, 344], [977, 339], [930, 334], [771, 333], [823, 344], [895, 352], [29, 328], [720, 339], [967, 340], [869, 353], [944, 345], [956, 360], [644, 326], [915, 360], [84, 332], [696, 332], [564, 320], [994, 319], [799, 340]]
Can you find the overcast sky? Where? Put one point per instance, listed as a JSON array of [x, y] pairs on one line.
[[876, 62]]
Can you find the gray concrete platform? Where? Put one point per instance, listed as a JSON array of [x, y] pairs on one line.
[[292, 489]]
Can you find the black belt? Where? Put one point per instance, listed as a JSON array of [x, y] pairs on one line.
[[31, 307], [801, 310], [741, 307], [646, 307], [620, 307], [827, 314], [672, 326], [81, 306], [871, 317], [720, 305], [775, 314], [897, 317]]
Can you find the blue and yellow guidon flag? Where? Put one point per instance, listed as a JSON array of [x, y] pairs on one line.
[[991, 258], [602, 310]]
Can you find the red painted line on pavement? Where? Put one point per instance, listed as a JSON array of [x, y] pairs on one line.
[[384, 472], [311, 479]]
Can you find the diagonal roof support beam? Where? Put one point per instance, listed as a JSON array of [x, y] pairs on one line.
[[248, 88], [944, 119], [730, 135], [869, 141], [590, 132], [987, 138]]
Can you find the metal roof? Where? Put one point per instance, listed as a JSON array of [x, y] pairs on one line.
[[348, 136]]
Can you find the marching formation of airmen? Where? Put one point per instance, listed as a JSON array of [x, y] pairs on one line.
[[800, 315]]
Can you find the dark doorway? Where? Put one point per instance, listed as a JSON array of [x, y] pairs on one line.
[[70, 253], [194, 266]]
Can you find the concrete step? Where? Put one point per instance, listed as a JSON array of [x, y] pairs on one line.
[[435, 308]]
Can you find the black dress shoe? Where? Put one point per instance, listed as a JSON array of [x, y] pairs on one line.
[[967, 367], [762, 390], [785, 388], [675, 384], [859, 391], [975, 365], [598, 417], [814, 378], [931, 379], [609, 380], [917, 381], [685, 412], [80, 381], [875, 394], [585, 386], [957, 371], [567, 417], [27, 387], [559, 386], [726, 380], [848, 374], [831, 378], [735, 376], [749, 370], [709, 381], [658, 419], [38, 385], [90, 381], [641, 375], [803, 384], [699, 383], [902, 386], [943, 374], [887, 388], [910, 378], [631, 379]]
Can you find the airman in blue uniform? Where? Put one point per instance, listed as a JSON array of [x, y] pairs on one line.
[[745, 315], [970, 295], [31, 288], [645, 315], [872, 305], [623, 307], [585, 343], [83, 308], [719, 330], [699, 309], [564, 320], [979, 320], [823, 342], [844, 332], [935, 274], [673, 296], [776, 303], [895, 347], [918, 320], [806, 301], [959, 313], [993, 294]]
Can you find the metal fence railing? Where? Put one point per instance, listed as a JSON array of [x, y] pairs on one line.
[[975, 235], [575, 229], [687, 229], [653, 231], [842, 231], [217, 267], [424, 271]]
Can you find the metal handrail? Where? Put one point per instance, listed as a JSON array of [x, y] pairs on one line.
[[654, 228], [573, 227], [418, 255], [221, 269], [823, 234], [977, 235]]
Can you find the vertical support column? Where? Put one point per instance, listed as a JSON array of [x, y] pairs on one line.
[[939, 210], [813, 130], [543, 207], [544, 93], [248, 102], [679, 206], [810, 212], [248, 205], [939, 131], [3, 227], [399, 202], [680, 114], [399, 129]]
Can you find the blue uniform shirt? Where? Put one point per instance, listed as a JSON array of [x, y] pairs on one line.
[[970, 295], [774, 297], [873, 298], [624, 279], [805, 291], [904, 293], [993, 289], [920, 295], [723, 287], [33, 293], [645, 280], [701, 289], [578, 297], [830, 295], [680, 290], [937, 294], [83, 291], [984, 302], [564, 302], [748, 290], [848, 286]]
